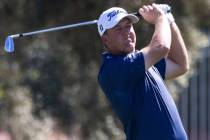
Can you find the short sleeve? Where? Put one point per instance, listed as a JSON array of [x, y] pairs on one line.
[[161, 66]]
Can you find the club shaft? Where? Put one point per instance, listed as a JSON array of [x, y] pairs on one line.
[[54, 29], [63, 27]]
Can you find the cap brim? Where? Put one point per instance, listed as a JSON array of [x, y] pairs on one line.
[[132, 18]]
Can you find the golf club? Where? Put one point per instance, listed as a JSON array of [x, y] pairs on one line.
[[9, 43]]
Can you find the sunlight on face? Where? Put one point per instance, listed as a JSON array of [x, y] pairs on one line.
[[121, 38]]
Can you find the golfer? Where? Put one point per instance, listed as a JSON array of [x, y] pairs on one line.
[[133, 80]]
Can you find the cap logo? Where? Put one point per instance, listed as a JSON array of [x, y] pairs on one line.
[[101, 28], [113, 13]]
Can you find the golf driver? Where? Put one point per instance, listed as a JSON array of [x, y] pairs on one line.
[[9, 43]]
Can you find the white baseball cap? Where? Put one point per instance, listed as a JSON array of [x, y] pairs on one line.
[[111, 17]]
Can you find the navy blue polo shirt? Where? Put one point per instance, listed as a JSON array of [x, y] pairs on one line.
[[140, 98]]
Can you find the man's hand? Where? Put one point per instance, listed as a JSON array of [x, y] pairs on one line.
[[152, 13]]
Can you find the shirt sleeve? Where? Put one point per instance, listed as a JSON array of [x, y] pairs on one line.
[[161, 66]]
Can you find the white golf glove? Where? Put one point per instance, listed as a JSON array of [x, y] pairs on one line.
[[167, 10]]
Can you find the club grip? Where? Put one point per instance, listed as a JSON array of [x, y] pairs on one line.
[[137, 14]]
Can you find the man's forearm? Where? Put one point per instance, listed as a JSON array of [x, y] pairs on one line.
[[160, 43], [162, 34], [178, 52]]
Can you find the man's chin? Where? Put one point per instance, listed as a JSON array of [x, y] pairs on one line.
[[130, 48]]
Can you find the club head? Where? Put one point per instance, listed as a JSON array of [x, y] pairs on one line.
[[9, 45]]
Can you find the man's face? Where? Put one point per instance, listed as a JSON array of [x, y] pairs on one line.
[[121, 39]]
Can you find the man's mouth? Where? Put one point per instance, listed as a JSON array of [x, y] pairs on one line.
[[128, 40]]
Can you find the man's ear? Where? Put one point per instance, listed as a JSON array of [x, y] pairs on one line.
[[104, 39]]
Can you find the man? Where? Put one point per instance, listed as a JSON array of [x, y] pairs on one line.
[[132, 80]]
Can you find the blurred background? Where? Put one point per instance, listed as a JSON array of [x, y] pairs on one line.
[[48, 86]]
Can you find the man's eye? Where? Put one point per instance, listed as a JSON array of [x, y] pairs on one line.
[[128, 26]]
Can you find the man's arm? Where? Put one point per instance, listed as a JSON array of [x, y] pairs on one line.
[[160, 43], [177, 61]]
